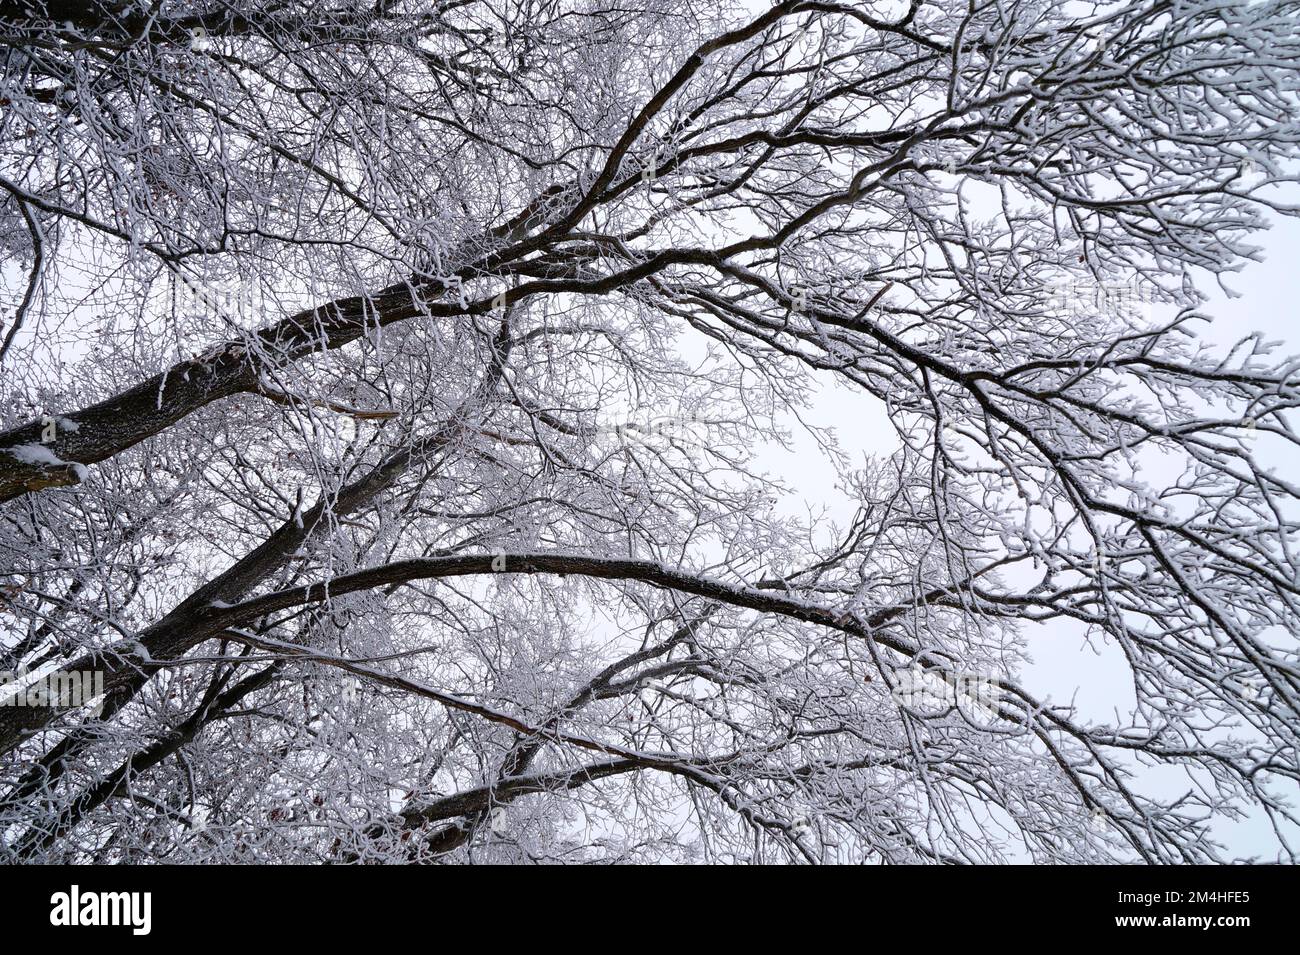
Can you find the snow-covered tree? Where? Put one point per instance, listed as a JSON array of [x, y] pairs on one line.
[[385, 385]]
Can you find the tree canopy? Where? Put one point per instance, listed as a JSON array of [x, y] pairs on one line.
[[385, 385]]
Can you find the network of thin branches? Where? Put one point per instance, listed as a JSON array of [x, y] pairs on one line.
[[387, 387]]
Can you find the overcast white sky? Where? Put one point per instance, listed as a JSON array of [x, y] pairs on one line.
[[1064, 667]]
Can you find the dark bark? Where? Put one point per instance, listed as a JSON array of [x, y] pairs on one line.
[[114, 784], [129, 417]]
